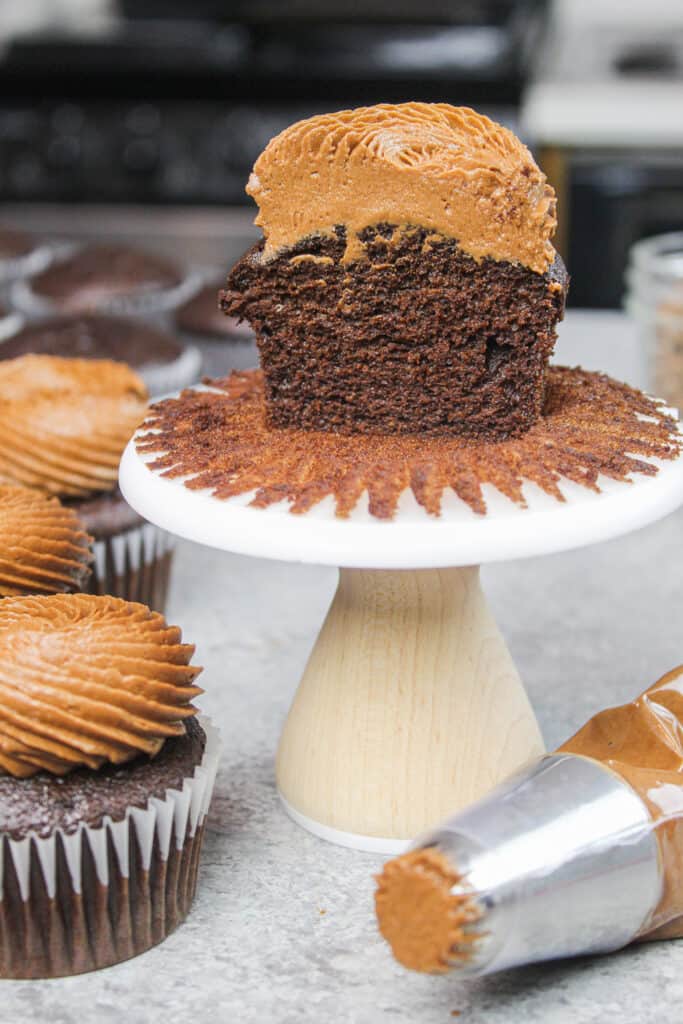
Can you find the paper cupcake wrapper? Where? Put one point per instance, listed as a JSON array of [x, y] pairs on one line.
[[75, 903], [147, 303], [164, 378], [134, 565]]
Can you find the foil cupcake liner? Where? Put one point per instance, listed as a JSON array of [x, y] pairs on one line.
[[10, 324], [145, 304], [76, 903], [221, 356], [166, 378], [134, 565], [25, 266]]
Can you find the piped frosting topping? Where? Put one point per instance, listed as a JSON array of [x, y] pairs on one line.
[[445, 168], [65, 422], [43, 546], [87, 680]]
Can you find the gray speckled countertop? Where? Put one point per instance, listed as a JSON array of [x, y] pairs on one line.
[[283, 929]]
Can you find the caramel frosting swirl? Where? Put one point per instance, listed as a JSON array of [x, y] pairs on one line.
[[65, 422], [445, 168], [86, 680], [43, 546]]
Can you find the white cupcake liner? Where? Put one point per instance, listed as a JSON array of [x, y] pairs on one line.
[[81, 901], [134, 565]]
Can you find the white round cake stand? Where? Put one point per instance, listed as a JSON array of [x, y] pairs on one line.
[[410, 706]]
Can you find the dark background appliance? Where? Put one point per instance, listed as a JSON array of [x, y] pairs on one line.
[[174, 101], [613, 199]]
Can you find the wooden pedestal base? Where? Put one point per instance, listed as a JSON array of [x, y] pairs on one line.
[[410, 708]]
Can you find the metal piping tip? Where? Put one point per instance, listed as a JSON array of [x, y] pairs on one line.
[[560, 860]]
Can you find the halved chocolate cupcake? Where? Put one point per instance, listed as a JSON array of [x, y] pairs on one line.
[[162, 361], [64, 424], [406, 282], [43, 546], [105, 782]]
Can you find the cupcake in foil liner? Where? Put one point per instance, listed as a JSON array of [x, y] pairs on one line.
[[134, 565], [106, 278], [10, 322], [225, 343], [72, 902], [21, 254], [163, 361], [165, 378]]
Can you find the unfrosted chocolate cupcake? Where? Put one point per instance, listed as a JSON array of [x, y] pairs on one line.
[[64, 424], [163, 362], [102, 801], [226, 343], [104, 277]]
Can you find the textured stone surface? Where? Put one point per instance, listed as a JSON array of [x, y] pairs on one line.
[[587, 629]]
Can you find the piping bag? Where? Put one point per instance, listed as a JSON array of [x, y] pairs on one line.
[[579, 852]]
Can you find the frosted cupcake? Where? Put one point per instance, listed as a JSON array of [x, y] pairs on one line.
[[64, 424], [43, 546], [105, 782]]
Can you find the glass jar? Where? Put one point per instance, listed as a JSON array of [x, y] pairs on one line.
[[654, 298]]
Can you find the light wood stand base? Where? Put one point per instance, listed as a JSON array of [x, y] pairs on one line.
[[410, 708]]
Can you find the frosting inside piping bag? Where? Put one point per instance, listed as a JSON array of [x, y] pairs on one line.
[[643, 743], [429, 914]]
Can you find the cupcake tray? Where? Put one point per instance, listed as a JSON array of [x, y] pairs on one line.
[[410, 705]]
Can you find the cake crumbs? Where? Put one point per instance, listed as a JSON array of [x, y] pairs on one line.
[[220, 440]]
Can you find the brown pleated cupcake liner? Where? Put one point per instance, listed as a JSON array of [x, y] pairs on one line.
[[134, 565], [77, 903]]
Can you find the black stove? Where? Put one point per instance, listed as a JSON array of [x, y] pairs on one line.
[[171, 107]]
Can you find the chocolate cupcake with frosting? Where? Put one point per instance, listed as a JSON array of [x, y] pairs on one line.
[[64, 424], [161, 360], [105, 782], [104, 277], [43, 546]]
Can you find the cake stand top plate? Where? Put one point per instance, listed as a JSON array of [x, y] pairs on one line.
[[413, 539]]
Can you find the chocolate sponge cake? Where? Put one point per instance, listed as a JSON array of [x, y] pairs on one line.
[[406, 282]]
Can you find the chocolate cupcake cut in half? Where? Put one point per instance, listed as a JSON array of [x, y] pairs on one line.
[[161, 360], [43, 546], [406, 282], [64, 424], [105, 277], [105, 782]]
